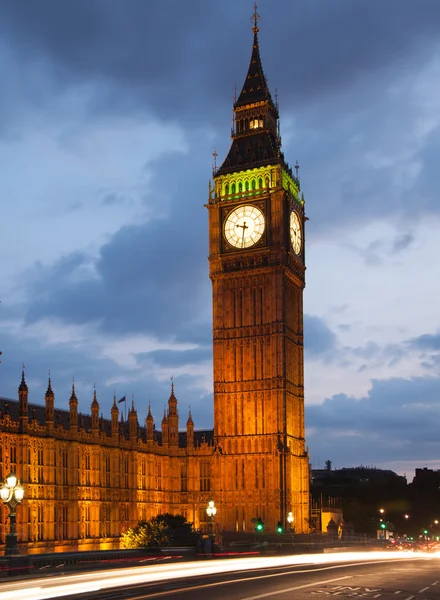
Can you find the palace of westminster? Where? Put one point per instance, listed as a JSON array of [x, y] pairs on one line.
[[87, 479]]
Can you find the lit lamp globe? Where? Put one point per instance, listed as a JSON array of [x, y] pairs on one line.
[[19, 492], [4, 493], [11, 480]]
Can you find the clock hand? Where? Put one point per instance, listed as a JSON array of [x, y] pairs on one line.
[[244, 227]]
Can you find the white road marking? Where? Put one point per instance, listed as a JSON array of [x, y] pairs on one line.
[[398, 592], [423, 589], [435, 583], [297, 587], [409, 598]]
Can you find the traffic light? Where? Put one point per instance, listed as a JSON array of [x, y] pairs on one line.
[[260, 525], [280, 527], [383, 525], [425, 532]]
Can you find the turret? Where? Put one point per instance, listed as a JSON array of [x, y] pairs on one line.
[[165, 429], [173, 418], [95, 414], [73, 406], [149, 424], [50, 401], [115, 417], [132, 418], [190, 431], [23, 404]]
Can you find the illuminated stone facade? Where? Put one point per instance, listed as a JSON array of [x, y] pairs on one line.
[[257, 267], [87, 479]]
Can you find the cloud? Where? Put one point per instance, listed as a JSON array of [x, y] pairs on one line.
[[403, 241], [427, 341], [318, 338], [385, 425]]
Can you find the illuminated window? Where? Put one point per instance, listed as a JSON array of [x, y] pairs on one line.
[[126, 471], [40, 468], [226, 189], [260, 183], [240, 187], [87, 468], [13, 457], [184, 477], [87, 525], [65, 466], [143, 474], [233, 188], [107, 467], [40, 522], [253, 184], [256, 123], [205, 477], [159, 475]]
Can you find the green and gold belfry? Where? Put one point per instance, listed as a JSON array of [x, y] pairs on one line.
[[256, 255]]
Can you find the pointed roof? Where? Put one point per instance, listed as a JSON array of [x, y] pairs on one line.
[[190, 419], [49, 391], [95, 400], [149, 415], [132, 411], [73, 397], [115, 406], [23, 385], [255, 88]]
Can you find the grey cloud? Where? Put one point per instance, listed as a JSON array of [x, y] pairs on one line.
[[112, 199], [151, 276], [66, 361], [176, 358], [385, 425], [427, 341], [154, 50], [318, 337], [401, 242]]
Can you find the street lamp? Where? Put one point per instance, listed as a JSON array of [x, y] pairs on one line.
[[11, 493], [290, 519], [211, 512]]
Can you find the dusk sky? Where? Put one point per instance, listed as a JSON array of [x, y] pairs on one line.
[[109, 114]]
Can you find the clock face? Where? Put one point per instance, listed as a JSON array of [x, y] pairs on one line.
[[295, 232], [244, 226]]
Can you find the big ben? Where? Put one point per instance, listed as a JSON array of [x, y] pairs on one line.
[[257, 268]]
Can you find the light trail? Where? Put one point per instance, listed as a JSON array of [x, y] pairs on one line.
[[66, 585]]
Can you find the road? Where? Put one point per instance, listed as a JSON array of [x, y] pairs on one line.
[[384, 576]]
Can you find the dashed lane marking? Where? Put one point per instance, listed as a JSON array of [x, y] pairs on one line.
[[424, 589]]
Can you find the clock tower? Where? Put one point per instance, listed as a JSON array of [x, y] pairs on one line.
[[257, 268]]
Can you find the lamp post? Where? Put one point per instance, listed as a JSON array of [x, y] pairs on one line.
[[211, 512], [11, 493], [290, 519]]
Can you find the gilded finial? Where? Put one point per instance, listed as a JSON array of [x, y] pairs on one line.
[[255, 18]]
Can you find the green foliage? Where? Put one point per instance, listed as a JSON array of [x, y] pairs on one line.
[[160, 531]]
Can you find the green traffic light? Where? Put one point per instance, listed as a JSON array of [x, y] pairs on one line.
[[383, 526], [425, 531]]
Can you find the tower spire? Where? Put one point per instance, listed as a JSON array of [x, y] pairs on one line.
[[255, 18]]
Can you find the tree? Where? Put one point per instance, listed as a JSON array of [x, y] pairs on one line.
[[160, 531]]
